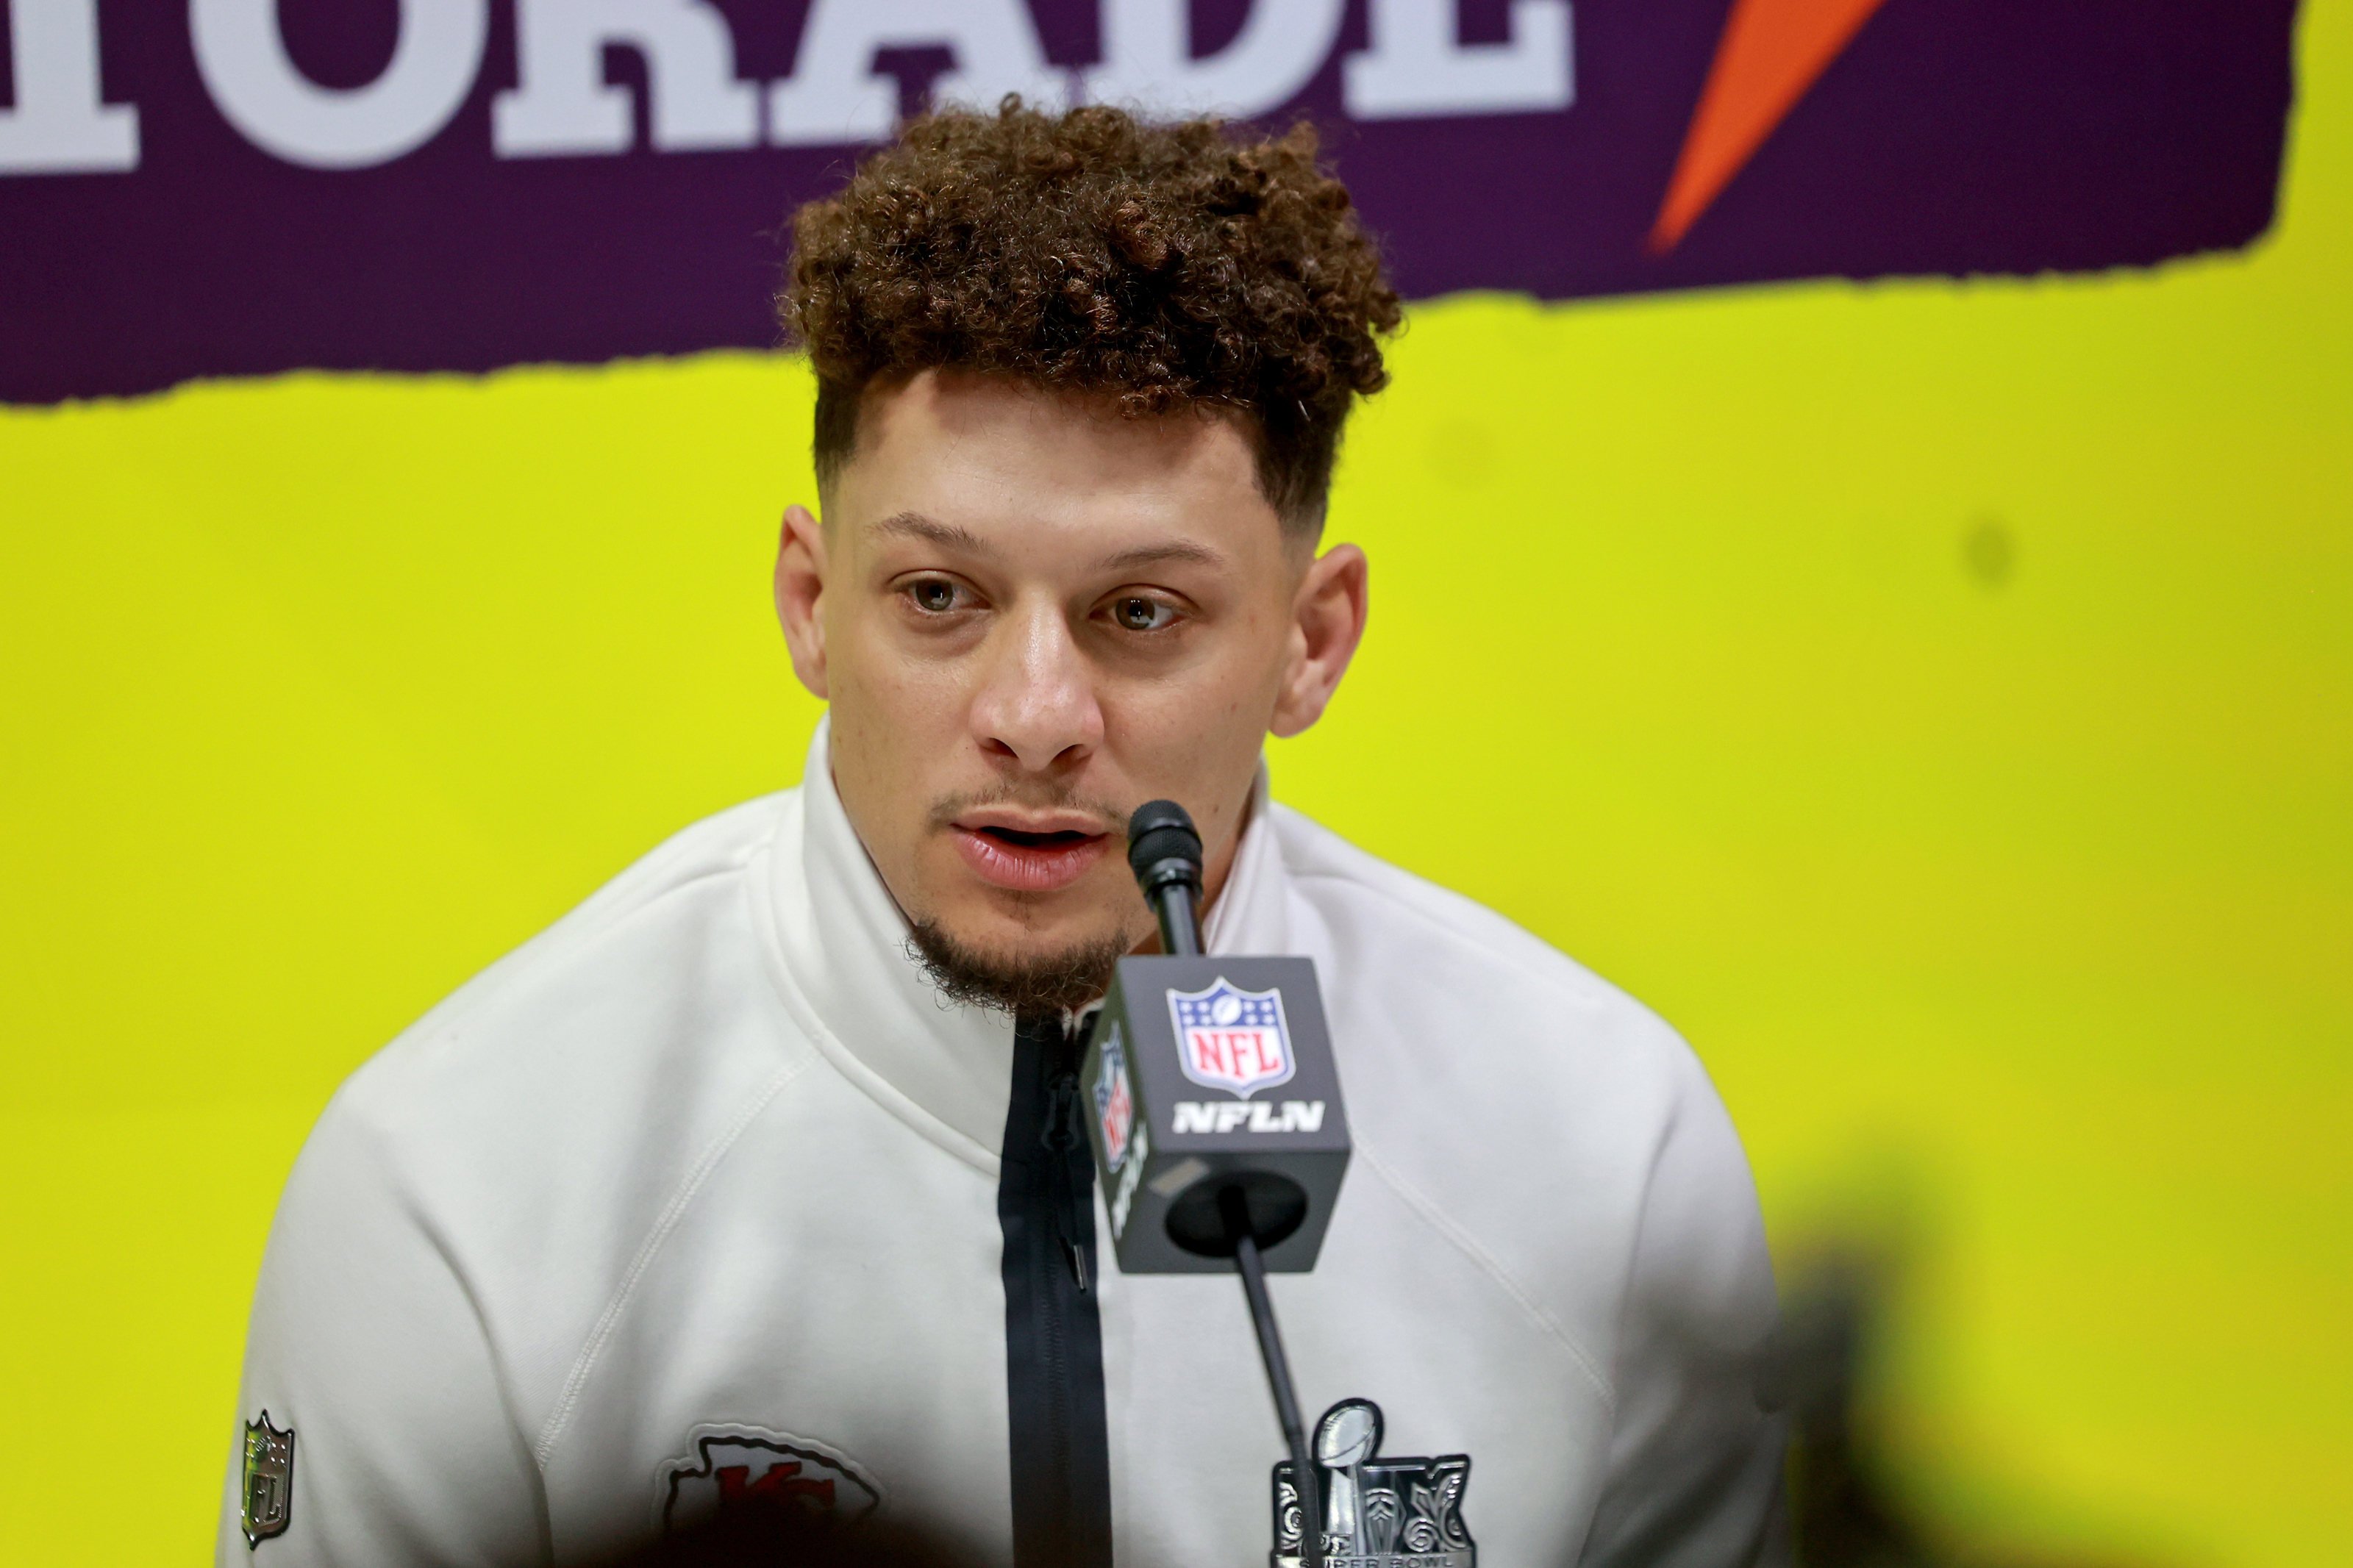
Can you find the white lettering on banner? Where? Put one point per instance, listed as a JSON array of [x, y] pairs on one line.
[[835, 95], [259, 90], [565, 105], [58, 126], [1417, 64], [1251, 1116], [1148, 58]]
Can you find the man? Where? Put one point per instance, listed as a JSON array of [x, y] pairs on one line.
[[735, 1190]]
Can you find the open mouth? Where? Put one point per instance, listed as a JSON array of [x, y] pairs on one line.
[[1026, 861], [1021, 840]]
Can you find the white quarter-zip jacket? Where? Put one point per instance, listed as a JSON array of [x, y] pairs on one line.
[[694, 1196]]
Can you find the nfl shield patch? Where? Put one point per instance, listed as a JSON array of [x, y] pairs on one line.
[[1230, 1038], [1114, 1102], [266, 1489]]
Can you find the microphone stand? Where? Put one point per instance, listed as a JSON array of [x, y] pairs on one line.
[[1172, 884], [1236, 1210]]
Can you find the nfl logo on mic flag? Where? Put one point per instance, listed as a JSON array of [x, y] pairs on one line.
[[1114, 1102], [1232, 1039], [1204, 1068]]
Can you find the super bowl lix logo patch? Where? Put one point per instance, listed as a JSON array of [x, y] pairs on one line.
[[1375, 1512], [266, 1481], [733, 1472], [1230, 1038]]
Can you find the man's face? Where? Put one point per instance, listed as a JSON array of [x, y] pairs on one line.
[[1031, 615]]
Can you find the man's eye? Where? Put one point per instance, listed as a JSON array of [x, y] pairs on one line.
[[1140, 614], [936, 595]]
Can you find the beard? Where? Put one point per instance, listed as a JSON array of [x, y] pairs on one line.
[[1024, 987]]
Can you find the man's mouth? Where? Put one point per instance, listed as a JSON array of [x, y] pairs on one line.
[[1042, 858]]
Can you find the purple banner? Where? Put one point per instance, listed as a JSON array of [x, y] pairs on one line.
[[235, 187]]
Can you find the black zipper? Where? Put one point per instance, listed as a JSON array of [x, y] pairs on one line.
[[1053, 1339], [1064, 1138]]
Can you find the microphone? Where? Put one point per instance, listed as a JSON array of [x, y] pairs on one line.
[[1218, 1128], [1165, 853], [1209, 1073]]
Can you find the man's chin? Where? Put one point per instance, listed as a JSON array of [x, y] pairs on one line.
[[1032, 978]]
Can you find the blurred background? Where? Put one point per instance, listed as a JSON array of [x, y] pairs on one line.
[[1936, 696]]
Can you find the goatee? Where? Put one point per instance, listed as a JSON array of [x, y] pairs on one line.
[[1027, 986]]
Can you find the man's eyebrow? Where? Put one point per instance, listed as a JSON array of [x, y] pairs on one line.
[[1159, 554], [915, 525]]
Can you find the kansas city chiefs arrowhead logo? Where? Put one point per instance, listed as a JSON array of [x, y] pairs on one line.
[[731, 1471]]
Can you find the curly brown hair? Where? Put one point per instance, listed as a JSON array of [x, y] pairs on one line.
[[1161, 266]]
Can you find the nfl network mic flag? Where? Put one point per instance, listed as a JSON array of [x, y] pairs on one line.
[[1205, 1072], [235, 187]]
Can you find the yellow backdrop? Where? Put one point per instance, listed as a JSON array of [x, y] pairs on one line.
[[1933, 697]]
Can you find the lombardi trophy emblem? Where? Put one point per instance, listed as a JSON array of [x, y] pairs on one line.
[[1375, 1512]]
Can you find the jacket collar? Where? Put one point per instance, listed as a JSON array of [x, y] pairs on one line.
[[845, 968]]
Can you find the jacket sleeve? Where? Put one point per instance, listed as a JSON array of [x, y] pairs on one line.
[[365, 1343], [1696, 1464]]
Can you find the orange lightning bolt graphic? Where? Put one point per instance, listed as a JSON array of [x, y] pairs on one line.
[[1771, 52]]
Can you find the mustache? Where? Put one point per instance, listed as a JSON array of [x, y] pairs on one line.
[[1040, 795]]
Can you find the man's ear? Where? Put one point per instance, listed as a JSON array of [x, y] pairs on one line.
[[1327, 623], [800, 595]]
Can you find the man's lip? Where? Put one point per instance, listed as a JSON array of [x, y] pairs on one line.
[[1021, 821], [1028, 868]]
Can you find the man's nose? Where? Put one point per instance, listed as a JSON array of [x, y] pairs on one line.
[[1036, 702]]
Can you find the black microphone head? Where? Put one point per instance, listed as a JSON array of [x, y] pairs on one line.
[[1159, 831]]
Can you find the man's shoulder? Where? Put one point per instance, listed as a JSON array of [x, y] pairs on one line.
[[1521, 1109], [537, 1128], [1386, 911], [706, 857], [1470, 1039], [637, 991]]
